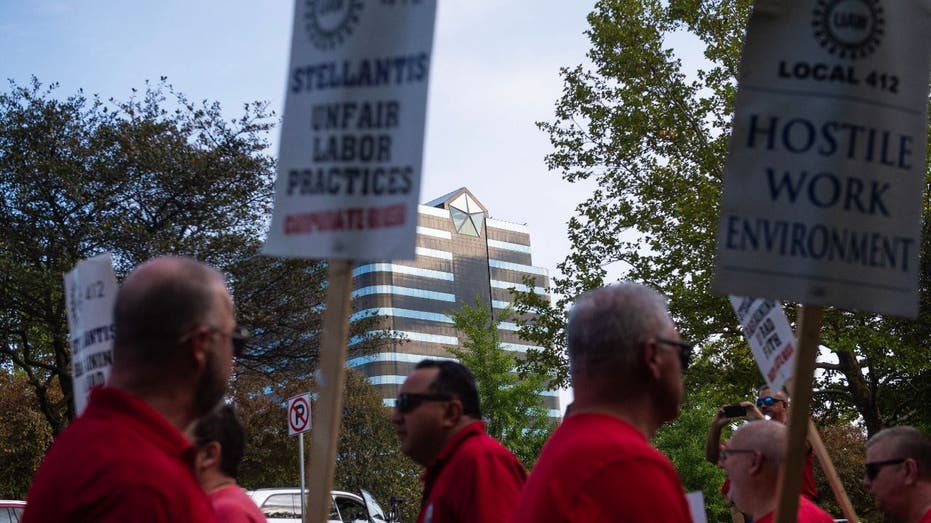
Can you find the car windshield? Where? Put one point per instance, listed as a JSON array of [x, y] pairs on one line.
[[374, 508]]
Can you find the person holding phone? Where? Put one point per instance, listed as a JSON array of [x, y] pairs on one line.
[[769, 405]]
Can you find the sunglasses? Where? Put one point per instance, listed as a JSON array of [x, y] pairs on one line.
[[768, 401], [872, 469], [408, 401], [239, 336], [685, 350]]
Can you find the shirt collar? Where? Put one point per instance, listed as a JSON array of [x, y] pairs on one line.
[[472, 429]]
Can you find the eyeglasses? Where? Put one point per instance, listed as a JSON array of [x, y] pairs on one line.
[[872, 469], [408, 401], [727, 452], [769, 401], [239, 336], [685, 350]]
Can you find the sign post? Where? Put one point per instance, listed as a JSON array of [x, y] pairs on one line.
[[299, 423], [349, 168], [809, 327], [822, 197], [90, 289]]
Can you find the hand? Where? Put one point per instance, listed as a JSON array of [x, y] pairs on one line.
[[720, 419], [753, 413]]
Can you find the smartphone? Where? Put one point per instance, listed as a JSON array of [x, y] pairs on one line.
[[735, 411]]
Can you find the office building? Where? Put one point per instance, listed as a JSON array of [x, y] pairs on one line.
[[462, 254]]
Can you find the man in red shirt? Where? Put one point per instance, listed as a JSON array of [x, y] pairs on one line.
[[898, 473], [126, 458], [769, 405], [469, 477], [220, 438], [753, 458], [626, 361]]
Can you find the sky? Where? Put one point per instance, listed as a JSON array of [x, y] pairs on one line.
[[495, 73]]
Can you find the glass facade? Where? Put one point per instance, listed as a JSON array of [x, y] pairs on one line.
[[461, 255]]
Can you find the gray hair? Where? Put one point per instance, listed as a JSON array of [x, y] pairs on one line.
[[908, 442], [608, 325]]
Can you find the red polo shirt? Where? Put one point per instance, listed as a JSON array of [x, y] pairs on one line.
[[474, 479], [598, 468], [119, 461]]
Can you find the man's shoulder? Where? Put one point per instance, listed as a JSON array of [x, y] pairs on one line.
[[95, 455], [601, 434], [483, 446]]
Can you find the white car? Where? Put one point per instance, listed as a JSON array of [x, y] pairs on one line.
[[11, 511], [283, 505]]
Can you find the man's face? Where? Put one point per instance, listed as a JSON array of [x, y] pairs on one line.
[[887, 486], [671, 380], [736, 461], [777, 410], [219, 356], [422, 431]]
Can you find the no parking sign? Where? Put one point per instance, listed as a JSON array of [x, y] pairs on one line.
[[299, 414]]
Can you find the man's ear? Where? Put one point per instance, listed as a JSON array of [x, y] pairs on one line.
[[911, 471], [453, 413], [651, 359], [198, 347]]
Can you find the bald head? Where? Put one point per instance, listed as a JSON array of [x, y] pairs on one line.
[[752, 460], [158, 303], [764, 436]]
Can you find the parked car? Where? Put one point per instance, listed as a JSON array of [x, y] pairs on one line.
[[11, 511], [283, 505]]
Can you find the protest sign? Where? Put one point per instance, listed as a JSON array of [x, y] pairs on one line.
[[90, 289], [349, 163], [771, 339], [349, 169], [823, 185]]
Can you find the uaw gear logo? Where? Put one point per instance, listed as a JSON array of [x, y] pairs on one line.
[[330, 22], [849, 28]]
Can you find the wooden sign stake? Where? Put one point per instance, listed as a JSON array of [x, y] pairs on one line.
[[330, 381], [790, 483]]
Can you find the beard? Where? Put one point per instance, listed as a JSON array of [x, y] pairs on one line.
[[211, 387]]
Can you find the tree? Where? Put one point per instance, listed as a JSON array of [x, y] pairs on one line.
[[81, 176], [654, 142], [157, 174], [846, 445], [369, 455], [511, 404], [24, 435]]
